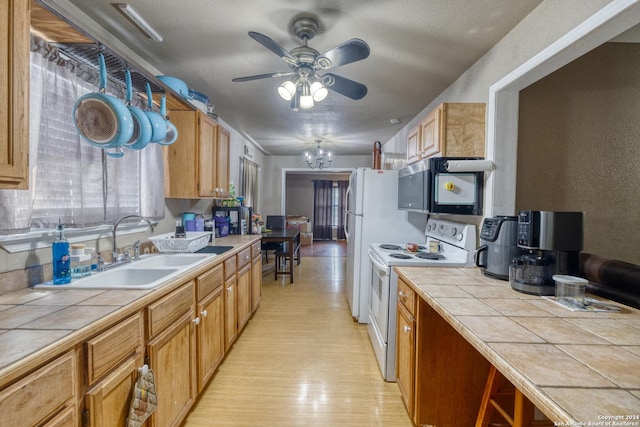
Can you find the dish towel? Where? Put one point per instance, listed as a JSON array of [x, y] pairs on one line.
[[144, 399]]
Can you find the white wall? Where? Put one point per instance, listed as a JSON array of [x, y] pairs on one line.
[[544, 25]]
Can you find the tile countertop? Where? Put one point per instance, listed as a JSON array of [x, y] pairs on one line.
[[38, 324], [576, 367]]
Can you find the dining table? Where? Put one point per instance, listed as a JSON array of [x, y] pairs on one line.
[[291, 237]]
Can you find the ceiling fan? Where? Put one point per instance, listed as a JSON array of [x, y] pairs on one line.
[[306, 85]]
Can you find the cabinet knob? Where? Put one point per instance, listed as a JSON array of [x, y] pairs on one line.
[[402, 295], [196, 321], [407, 328], [230, 288], [204, 313]]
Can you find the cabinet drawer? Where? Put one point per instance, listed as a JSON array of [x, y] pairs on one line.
[[256, 249], [244, 257], [40, 394], [407, 297], [167, 310], [110, 348], [229, 267], [208, 281]]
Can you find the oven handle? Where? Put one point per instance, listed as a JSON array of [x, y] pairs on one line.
[[377, 263]]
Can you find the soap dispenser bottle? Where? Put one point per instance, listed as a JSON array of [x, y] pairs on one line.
[[61, 258]]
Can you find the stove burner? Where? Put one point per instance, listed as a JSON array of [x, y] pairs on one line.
[[429, 255], [390, 247], [400, 256], [422, 248]]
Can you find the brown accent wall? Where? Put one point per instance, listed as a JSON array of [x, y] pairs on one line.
[[579, 147]]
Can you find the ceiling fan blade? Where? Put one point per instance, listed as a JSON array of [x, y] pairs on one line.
[[350, 51], [273, 46], [344, 86], [262, 76]]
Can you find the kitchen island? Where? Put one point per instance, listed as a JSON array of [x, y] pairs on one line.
[[575, 367]]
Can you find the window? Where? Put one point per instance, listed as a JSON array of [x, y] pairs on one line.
[[69, 178]]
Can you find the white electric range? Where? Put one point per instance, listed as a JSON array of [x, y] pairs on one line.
[[447, 244]]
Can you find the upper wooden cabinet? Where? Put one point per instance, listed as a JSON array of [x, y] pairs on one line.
[[222, 161], [451, 130], [197, 164], [14, 94], [190, 160]]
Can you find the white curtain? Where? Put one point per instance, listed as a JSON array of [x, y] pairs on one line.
[[68, 177]]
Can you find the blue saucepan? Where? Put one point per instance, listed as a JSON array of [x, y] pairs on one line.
[[158, 124], [101, 119], [141, 125], [172, 132]]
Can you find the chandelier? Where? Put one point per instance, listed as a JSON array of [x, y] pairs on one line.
[[317, 160]]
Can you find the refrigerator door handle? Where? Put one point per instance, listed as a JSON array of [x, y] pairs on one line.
[[347, 212]]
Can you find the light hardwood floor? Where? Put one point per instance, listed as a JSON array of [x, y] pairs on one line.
[[301, 361]]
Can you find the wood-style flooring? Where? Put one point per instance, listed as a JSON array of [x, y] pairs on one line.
[[301, 361]]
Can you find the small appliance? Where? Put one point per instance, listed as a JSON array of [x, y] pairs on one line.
[[446, 244], [552, 242], [498, 246], [455, 192], [414, 187]]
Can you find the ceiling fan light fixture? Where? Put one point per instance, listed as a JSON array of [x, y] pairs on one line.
[[287, 90], [306, 99], [318, 91]]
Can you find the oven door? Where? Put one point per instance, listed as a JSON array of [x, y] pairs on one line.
[[380, 275]]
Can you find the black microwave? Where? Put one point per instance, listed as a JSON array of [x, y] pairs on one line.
[[414, 182], [428, 186]]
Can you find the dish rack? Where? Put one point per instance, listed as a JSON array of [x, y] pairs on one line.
[[194, 241]]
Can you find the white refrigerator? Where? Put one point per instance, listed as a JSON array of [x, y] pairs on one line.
[[372, 216]]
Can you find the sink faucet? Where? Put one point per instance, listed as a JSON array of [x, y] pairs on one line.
[[114, 252]]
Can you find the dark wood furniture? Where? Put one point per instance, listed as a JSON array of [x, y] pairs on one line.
[[291, 239]]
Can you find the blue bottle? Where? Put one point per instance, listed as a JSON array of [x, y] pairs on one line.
[[61, 259]]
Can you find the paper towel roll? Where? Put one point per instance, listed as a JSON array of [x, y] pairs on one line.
[[469, 165]]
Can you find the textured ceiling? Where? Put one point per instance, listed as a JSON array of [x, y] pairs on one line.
[[418, 48]]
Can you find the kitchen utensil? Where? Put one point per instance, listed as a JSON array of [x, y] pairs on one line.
[[158, 124], [141, 125], [172, 132], [176, 85], [101, 119]]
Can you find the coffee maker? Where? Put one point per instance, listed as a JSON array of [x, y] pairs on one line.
[[498, 246], [552, 242]]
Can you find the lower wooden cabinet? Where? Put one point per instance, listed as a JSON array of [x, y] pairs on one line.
[[210, 335], [406, 357], [244, 296], [172, 356], [44, 397], [107, 403], [256, 276]]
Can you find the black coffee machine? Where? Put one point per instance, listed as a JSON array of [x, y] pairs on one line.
[[552, 242]]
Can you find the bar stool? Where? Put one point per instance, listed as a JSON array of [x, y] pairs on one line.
[[499, 394]]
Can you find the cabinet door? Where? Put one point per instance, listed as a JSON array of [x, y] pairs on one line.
[[108, 402], [180, 158], [230, 323], [222, 160], [14, 90], [210, 335], [430, 129], [41, 394], [256, 282], [413, 145], [172, 358], [405, 357], [66, 418], [244, 296], [207, 136]]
